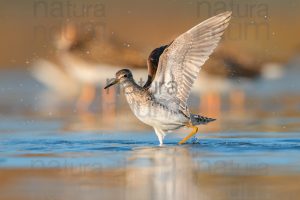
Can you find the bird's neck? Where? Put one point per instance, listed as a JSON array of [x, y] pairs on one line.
[[136, 96], [130, 86]]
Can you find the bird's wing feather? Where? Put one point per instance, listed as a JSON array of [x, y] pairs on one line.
[[152, 63], [180, 63]]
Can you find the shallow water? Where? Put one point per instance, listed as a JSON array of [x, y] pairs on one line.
[[249, 154], [130, 164], [52, 147]]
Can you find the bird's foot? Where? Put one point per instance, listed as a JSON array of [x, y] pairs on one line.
[[194, 131]]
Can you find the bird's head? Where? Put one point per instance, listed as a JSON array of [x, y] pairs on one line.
[[121, 76]]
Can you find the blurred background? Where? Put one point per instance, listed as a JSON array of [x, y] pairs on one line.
[[57, 55], [57, 121]]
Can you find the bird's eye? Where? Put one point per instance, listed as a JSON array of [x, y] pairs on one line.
[[125, 76]]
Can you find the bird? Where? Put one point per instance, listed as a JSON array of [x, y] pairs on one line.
[[162, 103], [79, 59]]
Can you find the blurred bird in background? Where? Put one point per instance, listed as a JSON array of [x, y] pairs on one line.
[[79, 67]]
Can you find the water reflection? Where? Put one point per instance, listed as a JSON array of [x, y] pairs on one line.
[[170, 172]]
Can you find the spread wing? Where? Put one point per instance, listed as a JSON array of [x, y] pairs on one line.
[[180, 63], [152, 63]]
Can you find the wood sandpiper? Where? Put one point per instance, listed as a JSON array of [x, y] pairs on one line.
[[162, 102]]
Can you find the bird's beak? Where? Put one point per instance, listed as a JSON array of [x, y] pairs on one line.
[[111, 83]]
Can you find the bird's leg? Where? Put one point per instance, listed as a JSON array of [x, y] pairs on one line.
[[160, 134], [194, 131]]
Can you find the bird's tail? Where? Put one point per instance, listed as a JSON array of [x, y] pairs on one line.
[[198, 119]]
